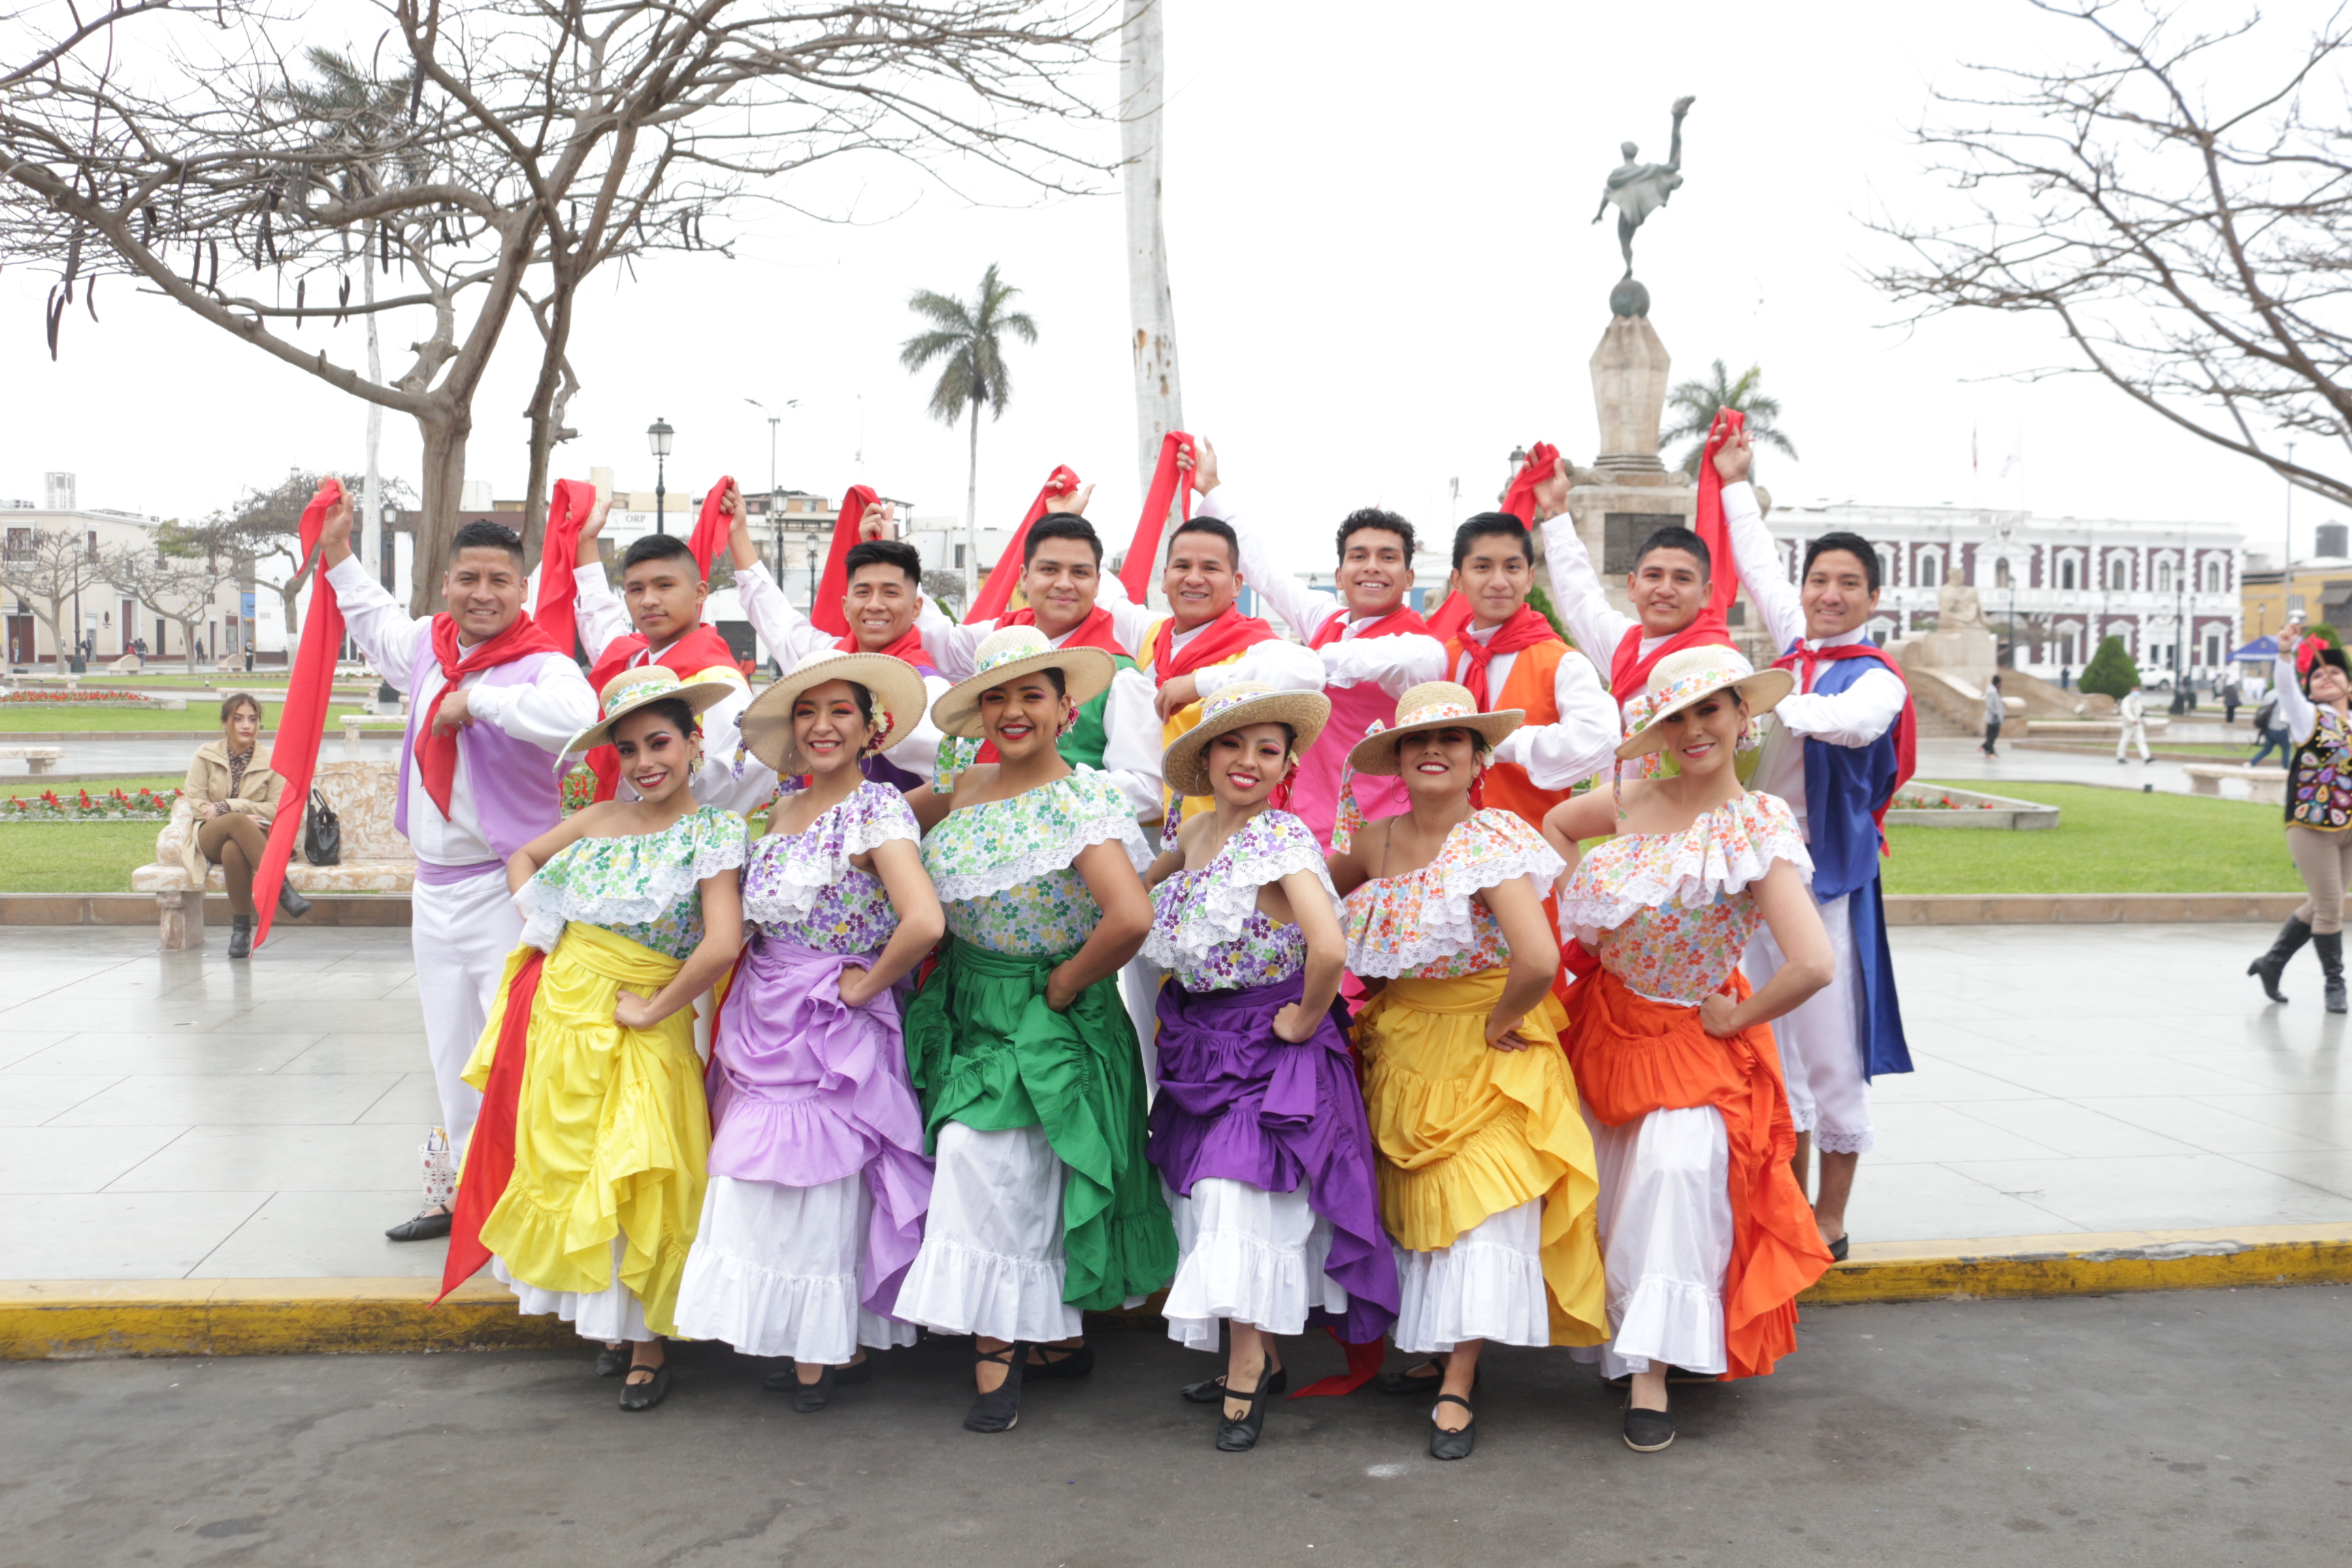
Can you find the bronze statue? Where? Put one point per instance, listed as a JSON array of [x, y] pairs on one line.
[[1637, 190]]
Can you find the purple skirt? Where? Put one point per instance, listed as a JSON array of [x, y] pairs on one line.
[[1238, 1102], [804, 1091]]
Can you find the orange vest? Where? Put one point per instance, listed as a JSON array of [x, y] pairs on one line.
[[1531, 688]]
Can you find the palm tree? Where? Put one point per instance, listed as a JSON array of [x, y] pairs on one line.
[[1694, 403], [967, 336]]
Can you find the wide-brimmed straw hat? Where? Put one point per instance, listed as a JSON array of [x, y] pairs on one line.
[[1683, 679], [634, 688], [1009, 653], [898, 691], [1238, 706], [1431, 705]]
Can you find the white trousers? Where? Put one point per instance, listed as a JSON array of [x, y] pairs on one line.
[[1139, 984], [775, 1272], [1248, 1257], [1821, 1042], [1488, 1285], [1666, 1240], [461, 934], [990, 1262], [2131, 735]]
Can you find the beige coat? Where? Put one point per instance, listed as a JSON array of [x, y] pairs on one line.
[[257, 795]]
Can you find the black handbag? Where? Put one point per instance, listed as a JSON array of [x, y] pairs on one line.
[[322, 835]]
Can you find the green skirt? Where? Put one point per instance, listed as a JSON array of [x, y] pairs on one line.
[[984, 1049]]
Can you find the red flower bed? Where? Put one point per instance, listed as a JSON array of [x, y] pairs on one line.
[[143, 804]]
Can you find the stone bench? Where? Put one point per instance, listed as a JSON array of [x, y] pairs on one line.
[[36, 759], [354, 723], [375, 858], [2267, 785]]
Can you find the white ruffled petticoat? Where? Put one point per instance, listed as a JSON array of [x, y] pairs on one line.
[[775, 1272], [1488, 1285], [990, 1262], [1666, 1239], [1248, 1257], [607, 1316]]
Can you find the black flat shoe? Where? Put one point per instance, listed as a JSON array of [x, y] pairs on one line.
[[1061, 1361], [240, 936], [1838, 1250], [1674, 1374], [422, 1228], [1445, 1445], [292, 903], [646, 1395], [1411, 1379], [1239, 1437], [613, 1361], [998, 1410], [1211, 1390], [1647, 1431], [788, 1379], [808, 1398]]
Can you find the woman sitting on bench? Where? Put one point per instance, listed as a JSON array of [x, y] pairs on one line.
[[235, 794]]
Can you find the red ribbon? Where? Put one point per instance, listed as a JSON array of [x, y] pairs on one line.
[[1806, 660], [826, 615], [1629, 667], [1448, 619], [1363, 1365], [908, 648], [1170, 487], [711, 529], [1229, 634], [1097, 630], [303, 721], [558, 555], [1402, 621], [997, 592], [490, 1152], [1525, 630], [436, 750]]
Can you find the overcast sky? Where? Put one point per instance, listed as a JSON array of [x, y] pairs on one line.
[[1385, 277]]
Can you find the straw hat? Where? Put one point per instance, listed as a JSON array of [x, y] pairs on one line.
[[1243, 703], [1683, 679], [1009, 653], [898, 691], [633, 688], [1431, 705]]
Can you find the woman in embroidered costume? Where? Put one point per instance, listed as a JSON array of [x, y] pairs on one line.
[[591, 1086], [1258, 1129], [1043, 1204], [818, 1181], [1485, 1168], [1707, 1236], [2314, 708]]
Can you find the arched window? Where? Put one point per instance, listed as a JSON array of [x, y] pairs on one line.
[[2164, 576], [2000, 573], [2213, 579], [2066, 574], [2119, 573], [1931, 571]]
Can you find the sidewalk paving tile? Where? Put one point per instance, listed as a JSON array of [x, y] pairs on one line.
[[68, 1160], [346, 1158], [179, 1051], [121, 1235], [324, 1236], [232, 1099]]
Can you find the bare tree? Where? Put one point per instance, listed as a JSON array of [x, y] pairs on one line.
[[540, 141], [2194, 252], [49, 568], [176, 576]]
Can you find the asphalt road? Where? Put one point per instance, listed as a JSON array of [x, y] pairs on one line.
[[2206, 1428]]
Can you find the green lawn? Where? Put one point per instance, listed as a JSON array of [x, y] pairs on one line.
[[2108, 841], [201, 718], [74, 856]]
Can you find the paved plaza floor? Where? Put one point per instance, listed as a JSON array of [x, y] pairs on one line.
[[178, 1115], [2166, 1430]]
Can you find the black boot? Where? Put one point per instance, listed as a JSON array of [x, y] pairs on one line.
[[240, 937], [291, 903], [2271, 964], [2330, 948]]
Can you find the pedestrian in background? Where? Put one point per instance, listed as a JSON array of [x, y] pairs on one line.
[[2225, 687], [1994, 713], [2133, 712], [2269, 733]]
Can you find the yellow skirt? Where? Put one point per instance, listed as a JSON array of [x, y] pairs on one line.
[[1465, 1132], [611, 1132]]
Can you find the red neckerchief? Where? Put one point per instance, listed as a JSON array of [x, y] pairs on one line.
[[1219, 640], [1629, 669], [437, 753], [1805, 661], [909, 647], [699, 649], [1525, 630], [1097, 630], [1402, 621], [997, 592]]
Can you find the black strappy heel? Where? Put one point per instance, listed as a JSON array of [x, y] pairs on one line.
[[1445, 1445], [1239, 1437], [999, 1410]]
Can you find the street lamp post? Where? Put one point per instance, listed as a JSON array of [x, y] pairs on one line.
[[659, 433], [2179, 628]]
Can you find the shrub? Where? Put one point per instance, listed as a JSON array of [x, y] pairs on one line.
[[2111, 672]]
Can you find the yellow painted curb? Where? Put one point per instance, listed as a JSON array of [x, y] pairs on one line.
[[69, 1319]]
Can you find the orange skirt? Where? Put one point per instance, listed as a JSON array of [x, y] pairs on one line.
[[1633, 1056]]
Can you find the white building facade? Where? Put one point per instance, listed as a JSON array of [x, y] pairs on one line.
[[2054, 586], [100, 617]]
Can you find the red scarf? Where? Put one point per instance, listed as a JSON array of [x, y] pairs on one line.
[[1219, 640], [711, 529], [827, 614], [1402, 621], [1629, 669], [1449, 618], [490, 1152], [997, 592], [909, 647], [1806, 661], [303, 724], [699, 649], [1525, 630], [558, 556], [1171, 486], [437, 753], [1094, 631]]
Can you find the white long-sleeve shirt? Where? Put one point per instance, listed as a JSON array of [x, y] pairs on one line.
[[1857, 716], [545, 713], [1395, 663], [1597, 625], [1284, 666], [793, 636], [729, 777], [1581, 742]]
